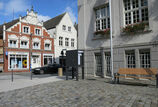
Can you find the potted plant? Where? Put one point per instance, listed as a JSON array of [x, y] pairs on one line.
[[135, 28], [103, 32]]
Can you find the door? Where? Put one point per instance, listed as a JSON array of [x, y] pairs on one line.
[[98, 64], [108, 64], [36, 61]]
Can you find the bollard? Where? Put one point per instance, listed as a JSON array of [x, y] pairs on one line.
[[60, 72]]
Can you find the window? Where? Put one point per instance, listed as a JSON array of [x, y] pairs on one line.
[[69, 28], [47, 46], [102, 18], [72, 42], [135, 11], [24, 44], [108, 63], [13, 43], [144, 58], [60, 41], [48, 59], [98, 64], [37, 31], [64, 27], [66, 41], [18, 61], [36, 45], [26, 29], [130, 59]]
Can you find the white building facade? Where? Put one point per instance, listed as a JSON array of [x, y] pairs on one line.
[[135, 35], [65, 34]]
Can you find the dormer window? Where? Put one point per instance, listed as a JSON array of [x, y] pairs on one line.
[[37, 31], [26, 29], [64, 27], [69, 29]]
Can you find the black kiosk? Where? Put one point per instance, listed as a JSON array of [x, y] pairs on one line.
[[74, 61]]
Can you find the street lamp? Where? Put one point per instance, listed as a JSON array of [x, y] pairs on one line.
[[62, 54], [30, 54]]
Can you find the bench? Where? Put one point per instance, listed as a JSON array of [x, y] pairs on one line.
[[137, 73]]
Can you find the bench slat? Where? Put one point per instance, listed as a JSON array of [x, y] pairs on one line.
[[136, 77], [138, 71]]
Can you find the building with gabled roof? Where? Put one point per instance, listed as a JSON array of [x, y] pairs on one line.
[[65, 34], [26, 43]]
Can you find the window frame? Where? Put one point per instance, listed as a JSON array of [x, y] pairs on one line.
[[105, 19], [132, 10], [36, 32], [28, 29], [146, 62], [64, 27], [72, 42], [130, 58], [60, 41], [66, 42]]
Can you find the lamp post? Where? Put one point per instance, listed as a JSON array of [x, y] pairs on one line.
[[30, 54], [111, 41]]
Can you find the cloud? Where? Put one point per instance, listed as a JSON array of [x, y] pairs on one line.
[[1, 5], [71, 13], [17, 6], [43, 18]]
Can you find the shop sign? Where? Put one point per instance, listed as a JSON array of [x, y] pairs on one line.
[[1, 50]]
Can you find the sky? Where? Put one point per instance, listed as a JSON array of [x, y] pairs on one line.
[[46, 9]]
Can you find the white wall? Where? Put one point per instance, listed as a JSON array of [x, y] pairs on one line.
[[66, 20]]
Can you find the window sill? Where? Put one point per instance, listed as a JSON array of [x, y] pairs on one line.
[[99, 36], [136, 33], [18, 69]]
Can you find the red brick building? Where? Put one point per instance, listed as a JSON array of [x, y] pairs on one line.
[[26, 38]]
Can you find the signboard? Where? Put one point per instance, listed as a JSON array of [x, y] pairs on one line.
[[1, 50]]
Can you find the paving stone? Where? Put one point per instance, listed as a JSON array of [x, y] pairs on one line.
[[84, 93]]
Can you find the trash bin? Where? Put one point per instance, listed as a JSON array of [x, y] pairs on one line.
[[60, 72]]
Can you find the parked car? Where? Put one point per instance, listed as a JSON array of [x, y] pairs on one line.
[[47, 69]]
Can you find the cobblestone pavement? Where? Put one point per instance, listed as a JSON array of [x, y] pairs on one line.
[[92, 92]]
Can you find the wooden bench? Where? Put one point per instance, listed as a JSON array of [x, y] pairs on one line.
[[145, 73]]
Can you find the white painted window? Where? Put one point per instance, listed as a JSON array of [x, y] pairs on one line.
[[37, 31], [47, 46], [26, 29], [64, 27], [18, 61], [60, 41], [72, 42], [102, 18], [135, 11], [144, 58], [24, 44], [48, 59], [69, 29], [36, 45], [13, 43], [130, 59], [66, 41]]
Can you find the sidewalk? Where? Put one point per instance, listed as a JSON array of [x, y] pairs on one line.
[[8, 85]]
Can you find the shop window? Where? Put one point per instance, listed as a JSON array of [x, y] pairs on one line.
[[48, 59], [18, 61]]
